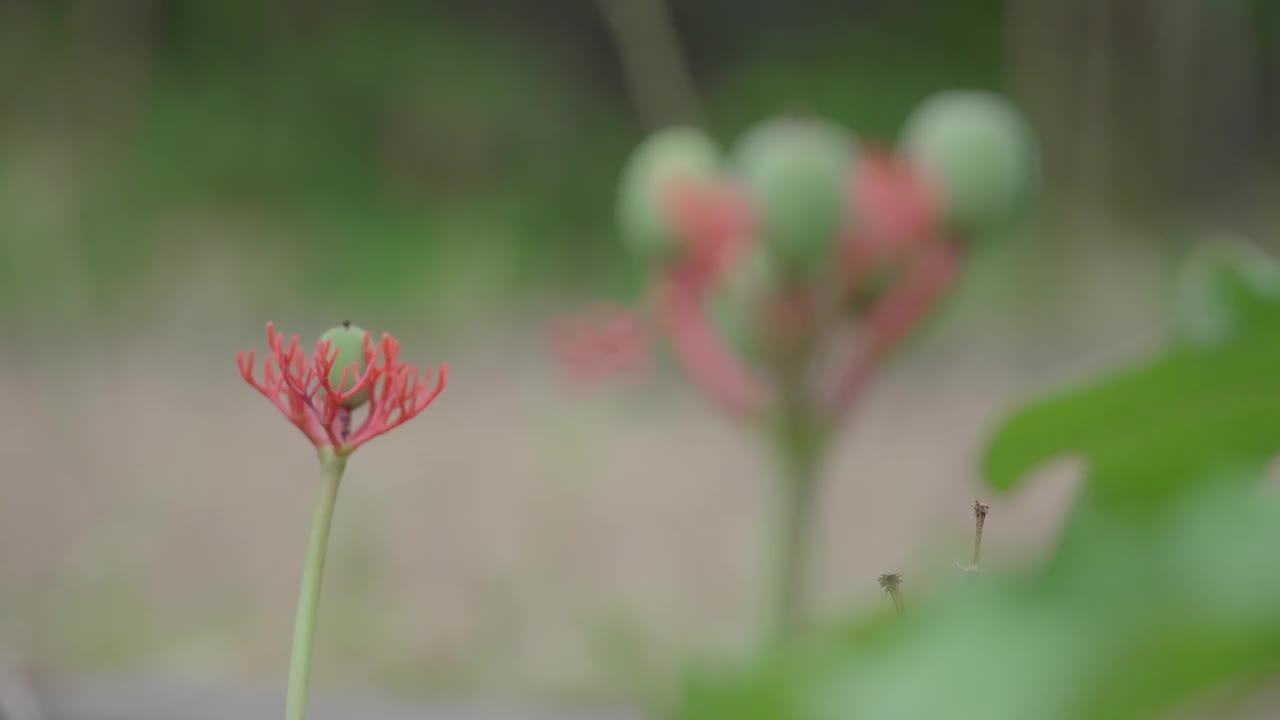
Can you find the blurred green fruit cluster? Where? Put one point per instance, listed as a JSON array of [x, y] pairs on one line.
[[975, 148], [819, 214]]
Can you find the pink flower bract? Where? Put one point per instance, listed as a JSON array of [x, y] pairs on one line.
[[716, 223], [604, 341], [299, 385], [898, 210]]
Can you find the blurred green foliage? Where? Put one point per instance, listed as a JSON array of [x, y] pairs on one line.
[[1161, 595], [378, 152], [1205, 406]]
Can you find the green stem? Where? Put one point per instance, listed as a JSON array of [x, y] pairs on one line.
[[799, 450], [304, 627]]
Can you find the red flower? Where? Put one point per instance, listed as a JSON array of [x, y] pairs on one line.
[[897, 210], [299, 385], [716, 223]]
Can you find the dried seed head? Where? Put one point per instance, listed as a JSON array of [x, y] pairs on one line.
[[890, 582]]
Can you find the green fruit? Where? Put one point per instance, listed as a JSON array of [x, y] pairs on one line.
[[737, 305], [736, 324], [663, 160], [797, 172], [981, 151], [349, 341]]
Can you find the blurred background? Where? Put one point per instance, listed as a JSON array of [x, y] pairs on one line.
[[173, 173]]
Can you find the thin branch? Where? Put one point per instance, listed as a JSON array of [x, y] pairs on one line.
[[653, 61], [712, 366], [893, 318]]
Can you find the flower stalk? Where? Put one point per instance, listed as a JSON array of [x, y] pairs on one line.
[[799, 451], [304, 628]]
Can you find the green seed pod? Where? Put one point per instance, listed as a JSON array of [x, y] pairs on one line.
[[349, 340], [797, 171], [668, 156], [981, 151], [737, 305], [736, 325]]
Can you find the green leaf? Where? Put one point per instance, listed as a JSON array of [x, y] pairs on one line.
[[1148, 433], [1224, 289], [1166, 597], [1146, 619]]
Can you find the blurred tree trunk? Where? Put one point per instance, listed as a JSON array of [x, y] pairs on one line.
[[1094, 112], [109, 65], [1143, 105], [653, 61], [1227, 140], [1043, 62], [1176, 40], [1267, 15]]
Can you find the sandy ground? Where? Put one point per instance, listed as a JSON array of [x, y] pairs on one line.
[[521, 534]]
